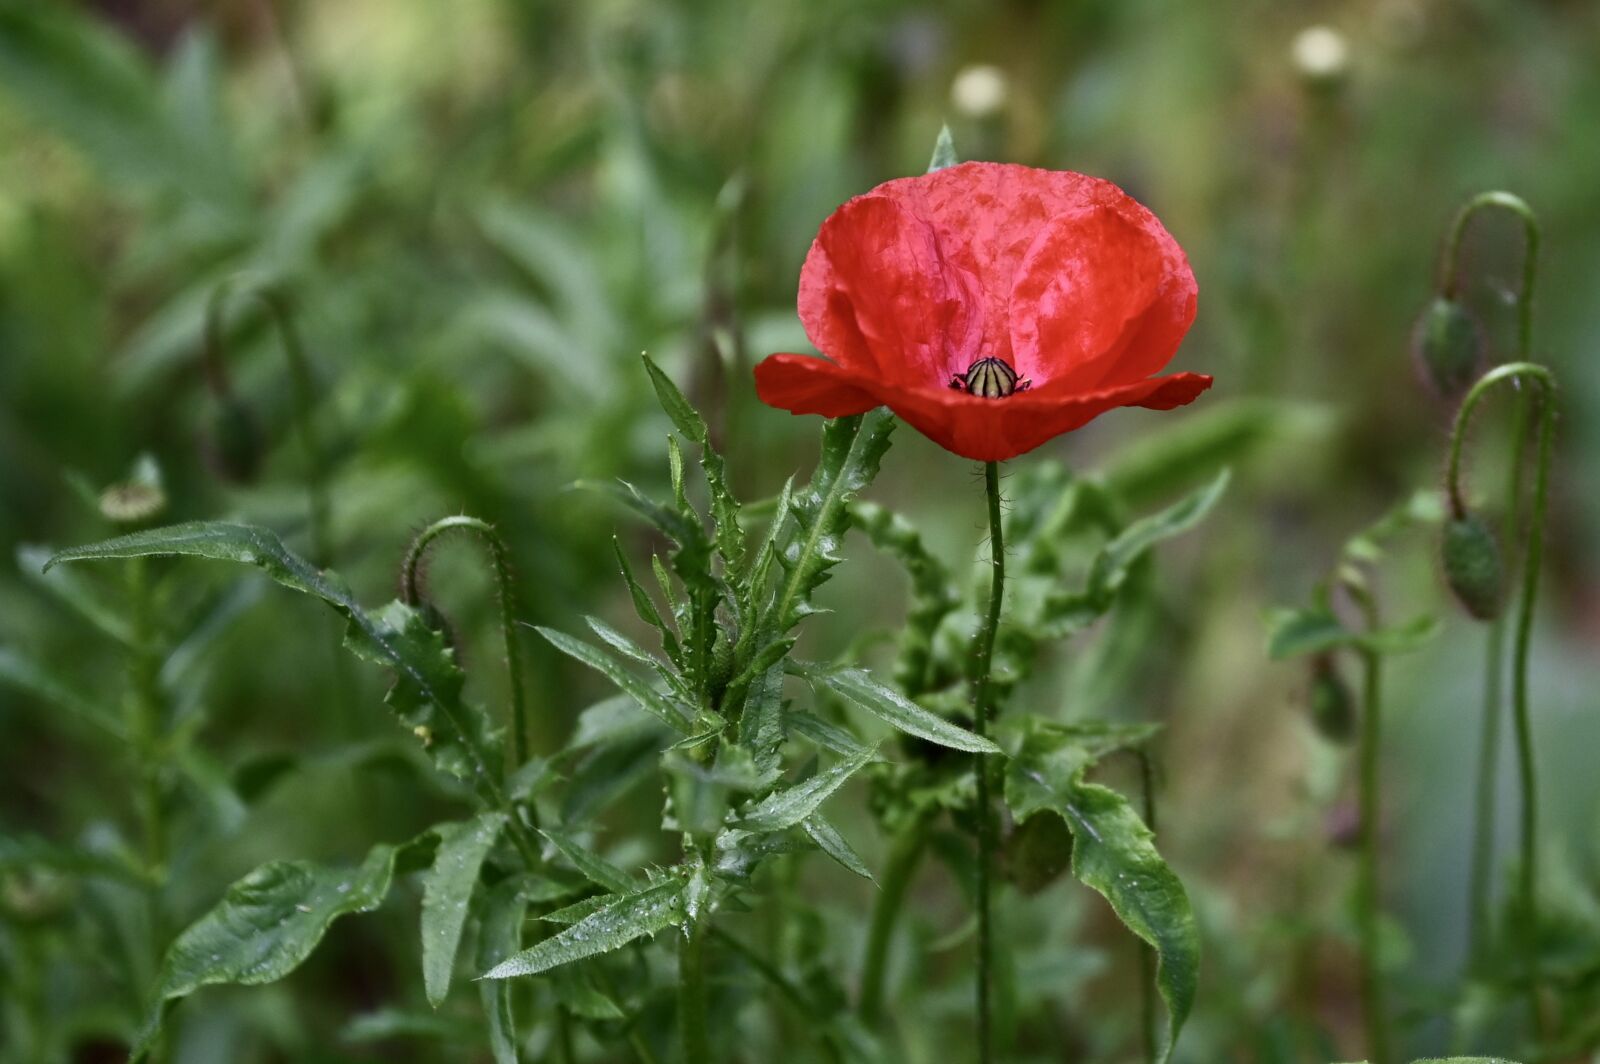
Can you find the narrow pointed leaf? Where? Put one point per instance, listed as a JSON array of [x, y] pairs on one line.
[[944, 151], [624, 918], [446, 893], [595, 868], [786, 808], [642, 693], [859, 689], [1117, 557], [834, 845]]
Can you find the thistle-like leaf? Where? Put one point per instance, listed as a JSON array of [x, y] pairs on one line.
[[852, 448], [859, 689], [427, 691], [646, 696], [1113, 853], [933, 593], [619, 920], [785, 808]]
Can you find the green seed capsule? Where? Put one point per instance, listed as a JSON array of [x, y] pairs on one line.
[[233, 443], [989, 378], [1333, 709], [1448, 347], [1473, 567]]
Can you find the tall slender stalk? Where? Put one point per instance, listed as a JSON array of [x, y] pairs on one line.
[[693, 1032], [1533, 556], [505, 590], [982, 712], [1487, 775], [1147, 953], [1368, 889]]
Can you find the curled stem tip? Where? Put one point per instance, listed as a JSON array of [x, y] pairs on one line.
[[505, 586], [1510, 371], [1450, 268]]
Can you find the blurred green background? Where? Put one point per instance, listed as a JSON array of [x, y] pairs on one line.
[[485, 209]]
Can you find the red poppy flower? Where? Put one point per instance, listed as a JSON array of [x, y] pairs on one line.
[[912, 290]]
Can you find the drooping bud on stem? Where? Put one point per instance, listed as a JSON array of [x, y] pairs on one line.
[[1473, 566], [232, 443], [1447, 347]]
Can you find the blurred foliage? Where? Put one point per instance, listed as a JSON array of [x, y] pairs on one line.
[[482, 211]]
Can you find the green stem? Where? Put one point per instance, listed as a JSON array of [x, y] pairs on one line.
[[144, 717], [272, 298], [1147, 953], [1373, 1005], [1533, 556], [886, 909], [982, 711], [693, 1032], [1450, 273], [505, 587], [1486, 787]]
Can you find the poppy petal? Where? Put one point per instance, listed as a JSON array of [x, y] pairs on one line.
[[876, 295], [1081, 294], [802, 384], [993, 430]]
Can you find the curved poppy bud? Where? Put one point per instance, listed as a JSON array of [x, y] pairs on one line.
[[232, 445], [1448, 347], [1473, 567]]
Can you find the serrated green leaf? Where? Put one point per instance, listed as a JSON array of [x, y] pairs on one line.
[[944, 151], [1111, 565], [645, 606], [859, 689], [834, 845], [646, 696], [265, 926], [724, 507], [447, 889], [1114, 854], [933, 593], [628, 648], [784, 809], [852, 448], [619, 921], [827, 735], [427, 690], [595, 869]]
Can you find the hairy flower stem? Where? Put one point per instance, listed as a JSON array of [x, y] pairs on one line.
[[1486, 783], [144, 728], [1533, 557], [903, 861], [1367, 885], [505, 589], [982, 711], [1147, 953], [693, 1031]]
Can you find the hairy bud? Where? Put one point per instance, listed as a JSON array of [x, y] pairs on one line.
[[1448, 347], [1473, 567], [233, 442]]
